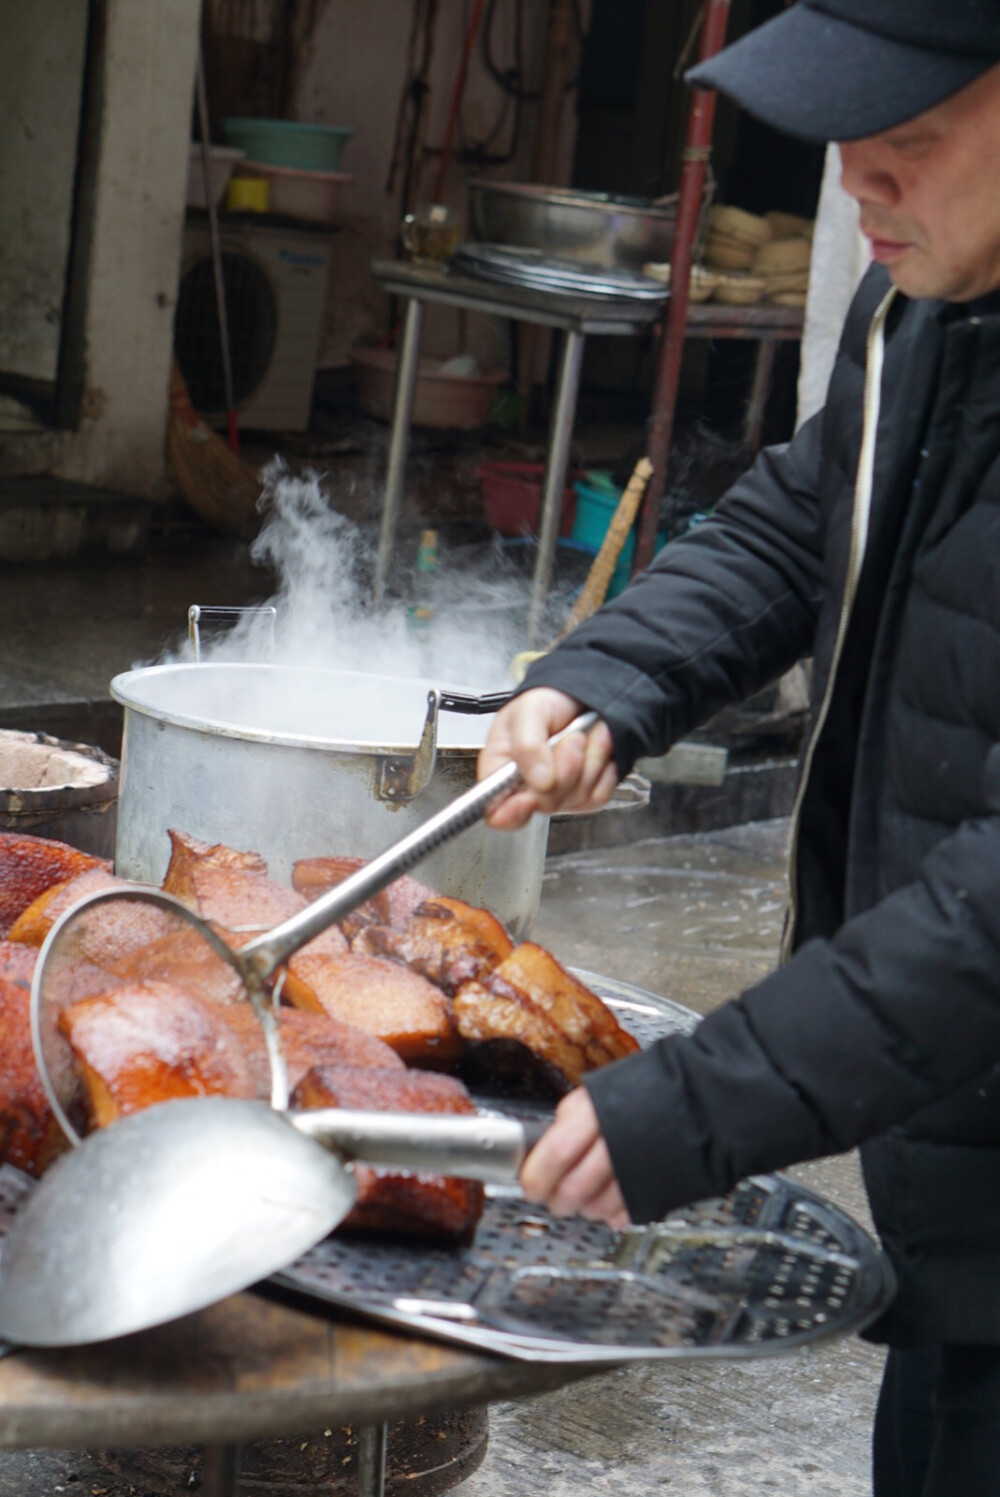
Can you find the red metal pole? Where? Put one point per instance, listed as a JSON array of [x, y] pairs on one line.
[[456, 100], [697, 152]]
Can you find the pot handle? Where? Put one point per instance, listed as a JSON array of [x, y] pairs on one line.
[[200, 613], [473, 706], [402, 777]]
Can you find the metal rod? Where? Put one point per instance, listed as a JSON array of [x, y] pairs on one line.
[[371, 1460], [263, 954], [216, 243], [555, 480], [696, 154], [753, 420], [399, 441], [220, 1471]]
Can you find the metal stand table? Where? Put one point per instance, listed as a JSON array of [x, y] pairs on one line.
[[763, 324], [572, 315], [243, 1369]]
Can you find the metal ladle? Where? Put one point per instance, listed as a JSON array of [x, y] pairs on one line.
[[177, 1206]]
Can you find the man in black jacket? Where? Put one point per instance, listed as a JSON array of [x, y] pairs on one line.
[[871, 542]]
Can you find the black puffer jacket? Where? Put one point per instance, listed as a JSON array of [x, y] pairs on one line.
[[884, 1027]]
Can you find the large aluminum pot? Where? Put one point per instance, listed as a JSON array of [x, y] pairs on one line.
[[297, 762], [595, 227]]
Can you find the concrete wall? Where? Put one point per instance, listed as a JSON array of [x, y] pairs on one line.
[[41, 74], [150, 63], [353, 75]]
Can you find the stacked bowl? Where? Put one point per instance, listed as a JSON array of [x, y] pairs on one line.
[[299, 162]]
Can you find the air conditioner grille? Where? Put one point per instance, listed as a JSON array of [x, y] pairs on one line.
[[252, 320]]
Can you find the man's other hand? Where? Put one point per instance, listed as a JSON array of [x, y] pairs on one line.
[[578, 775], [569, 1169]]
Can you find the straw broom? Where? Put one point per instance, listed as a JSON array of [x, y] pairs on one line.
[[217, 483]]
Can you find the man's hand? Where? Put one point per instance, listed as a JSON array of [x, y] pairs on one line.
[[579, 774], [569, 1169]]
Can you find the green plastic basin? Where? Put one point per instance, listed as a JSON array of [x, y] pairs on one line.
[[311, 148]]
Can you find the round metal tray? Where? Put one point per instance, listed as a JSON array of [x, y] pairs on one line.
[[765, 1269], [531, 267]]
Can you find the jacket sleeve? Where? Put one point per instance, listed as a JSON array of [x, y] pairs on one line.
[[717, 615], [853, 1035]]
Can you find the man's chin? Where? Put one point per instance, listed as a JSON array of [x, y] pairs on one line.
[[916, 279]]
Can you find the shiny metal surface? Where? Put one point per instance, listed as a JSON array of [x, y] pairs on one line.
[[594, 227], [288, 762], [178, 1206], [163, 1213], [769, 1267], [522, 266]]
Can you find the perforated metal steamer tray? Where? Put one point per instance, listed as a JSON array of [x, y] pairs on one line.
[[765, 1269]]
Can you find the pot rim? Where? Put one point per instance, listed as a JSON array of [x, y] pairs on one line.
[[123, 690]]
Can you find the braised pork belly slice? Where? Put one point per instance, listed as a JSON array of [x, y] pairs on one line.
[[190, 857], [232, 890], [184, 958], [384, 999], [536, 1022], [446, 940], [30, 1137], [390, 906], [17, 963], [107, 934], [400, 1201], [309, 1040], [148, 1042], [30, 865], [71, 981]]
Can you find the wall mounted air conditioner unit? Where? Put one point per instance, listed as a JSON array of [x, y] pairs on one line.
[[275, 285]]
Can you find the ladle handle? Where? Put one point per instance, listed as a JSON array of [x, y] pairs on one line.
[[270, 950], [489, 1149]]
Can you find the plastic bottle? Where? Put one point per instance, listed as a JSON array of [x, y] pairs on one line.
[[420, 612]]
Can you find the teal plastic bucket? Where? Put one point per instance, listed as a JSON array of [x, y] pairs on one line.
[[596, 501]]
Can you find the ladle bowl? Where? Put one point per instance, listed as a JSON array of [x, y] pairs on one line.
[[175, 1207]]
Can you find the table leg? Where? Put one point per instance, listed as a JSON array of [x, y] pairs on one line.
[[371, 1460], [555, 480], [399, 441], [753, 421], [220, 1471]]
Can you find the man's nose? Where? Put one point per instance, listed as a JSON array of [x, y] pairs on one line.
[[865, 174]]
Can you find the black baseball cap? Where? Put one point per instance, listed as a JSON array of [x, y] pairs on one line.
[[842, 69]]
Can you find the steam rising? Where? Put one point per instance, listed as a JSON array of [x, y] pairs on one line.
[[325, 614]]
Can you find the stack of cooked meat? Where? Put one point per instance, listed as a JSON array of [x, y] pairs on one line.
[[386, 1011]]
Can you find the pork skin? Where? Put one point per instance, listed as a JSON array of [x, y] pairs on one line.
[[400, 1201], [530, 1001]]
